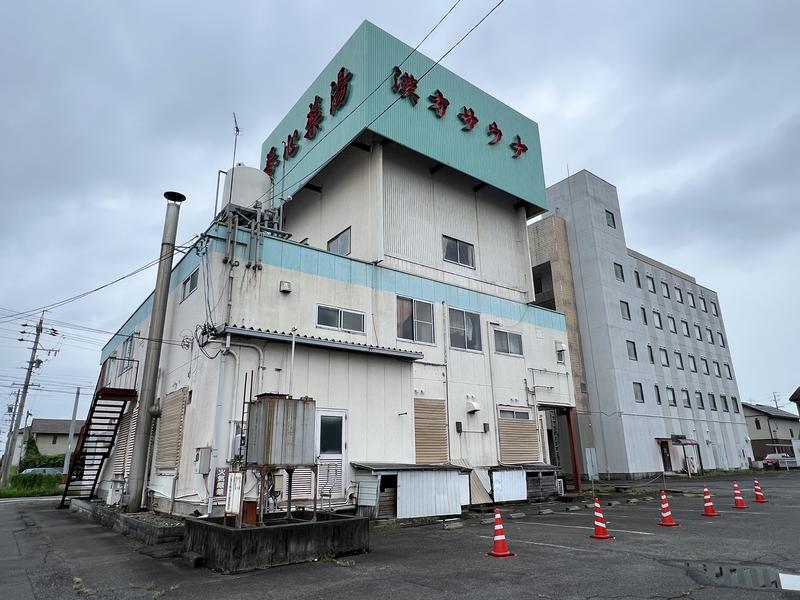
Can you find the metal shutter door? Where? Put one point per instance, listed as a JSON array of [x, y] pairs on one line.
[[121, 444], [134, 415], [430, 431], [519, 441], [170, 429]]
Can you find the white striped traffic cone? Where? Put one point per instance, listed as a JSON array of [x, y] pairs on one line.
[[666, 512], [738, 501], [760, 498], [500, 547], [600, 529]]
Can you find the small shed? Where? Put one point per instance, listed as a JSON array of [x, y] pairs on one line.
[[407, 491], [524, 482]]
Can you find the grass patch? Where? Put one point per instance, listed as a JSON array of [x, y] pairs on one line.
[[32, 484]]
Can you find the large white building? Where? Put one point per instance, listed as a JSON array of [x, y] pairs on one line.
[[650, 356], [399, 265]]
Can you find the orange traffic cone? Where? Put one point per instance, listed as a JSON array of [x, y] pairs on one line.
[[600, 530], [708, 505], [666, 513], [760, 498], [500, 548], [738, 501]]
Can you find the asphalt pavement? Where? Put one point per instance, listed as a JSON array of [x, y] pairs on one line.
[[46, 553]]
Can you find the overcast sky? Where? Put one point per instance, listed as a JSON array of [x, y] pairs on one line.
[[692, 109]]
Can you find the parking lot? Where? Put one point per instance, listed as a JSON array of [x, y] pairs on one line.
[[47, 553]]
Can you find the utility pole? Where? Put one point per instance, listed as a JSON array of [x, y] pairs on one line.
[[147, 408], [32, 364], [11, 437], [68, 455]]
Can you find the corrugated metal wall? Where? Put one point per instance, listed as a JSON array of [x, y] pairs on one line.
[[519, 441], [430, 431], [428, 494], [508, 486]]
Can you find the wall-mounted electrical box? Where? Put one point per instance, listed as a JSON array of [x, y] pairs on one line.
[[202, 460]]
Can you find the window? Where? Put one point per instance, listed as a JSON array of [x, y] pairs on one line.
[[724, 403], [671, 323], [716, 369], [340, 244], [651, 285], [465, 330], [678, 295], [189, 285], [330, 434], [625, 310], [690, 295], [671, 397], [665, 289], [710, 336], [650, 354], [704, 363], [644, 315], [758, 423], [678, 360], [618, 272], [127, 354], [692, 363], [736, 409], [728, 372], [721, 339], [712, 401], [339, 318], [632, 350], [638, 279], [638, 392], [459, 252], [519, 415], [610, 221], [664, 357], [687, 403], [55, 439], [658, 394], [714, 309], [703, 304], [657, 320], [791, 431], [698, 333], [698, 396], [560, 353], [414, 320], [685, 328], [506, 342]]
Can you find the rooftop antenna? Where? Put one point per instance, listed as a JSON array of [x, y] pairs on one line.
[[236, 132]]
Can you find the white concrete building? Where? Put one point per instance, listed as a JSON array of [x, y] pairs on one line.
[[655, 355], [400, 260]]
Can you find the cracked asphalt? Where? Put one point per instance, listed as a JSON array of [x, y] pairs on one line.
[[50, 554]]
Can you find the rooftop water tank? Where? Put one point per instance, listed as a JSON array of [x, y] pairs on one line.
[[244, 186]]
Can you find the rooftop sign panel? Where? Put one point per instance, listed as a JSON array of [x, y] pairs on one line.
[[373, 84]]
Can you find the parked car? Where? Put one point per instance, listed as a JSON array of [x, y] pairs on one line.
[[42, 470], [778, 460]]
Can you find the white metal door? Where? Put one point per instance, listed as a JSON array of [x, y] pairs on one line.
[[331, 449]]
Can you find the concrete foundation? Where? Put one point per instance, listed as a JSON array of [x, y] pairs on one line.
[[130, 525], [277, 542]]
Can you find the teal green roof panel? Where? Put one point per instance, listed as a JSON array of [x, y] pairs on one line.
[[370, 55]]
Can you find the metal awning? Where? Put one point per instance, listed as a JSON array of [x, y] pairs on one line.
[[307, 340], [378, 467], [683, 442]]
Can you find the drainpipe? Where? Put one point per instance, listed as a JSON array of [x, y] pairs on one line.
[[141, 445], [291, 362], [217, 424]]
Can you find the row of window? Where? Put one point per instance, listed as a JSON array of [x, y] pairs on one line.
[[757, 423], [638, 395], [619, 273], [415, 324], [625, 311], [664, 356]]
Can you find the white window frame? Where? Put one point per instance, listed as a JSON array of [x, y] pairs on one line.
[[673, 328], [678, 295], [126, 360], [336, 240], [621, 275], [508, 344], [651, 284], [458, 251], [664, 355], [672, 400], [196, 275], [632, 353], [516, 411], [340, 327], [612, 222], [637, 386], [728, 372], [690, 295], [665, 289], [414, 320], [624, 308], [463, 312]]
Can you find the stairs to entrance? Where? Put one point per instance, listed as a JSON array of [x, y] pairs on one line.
[[99, 432]]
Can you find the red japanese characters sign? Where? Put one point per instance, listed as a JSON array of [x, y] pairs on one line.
[[340, 89], [290, 146], [272, 161], [467, 116], [518, 147], [314, 118], [439, 103], [405, 85], [495, 131]]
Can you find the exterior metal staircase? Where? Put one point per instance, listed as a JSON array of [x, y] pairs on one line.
[[116, 386]]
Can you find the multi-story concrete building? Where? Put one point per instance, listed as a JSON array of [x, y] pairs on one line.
[[650, 355], [387, 246]]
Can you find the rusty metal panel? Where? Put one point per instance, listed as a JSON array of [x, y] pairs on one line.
[[281, 431]]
